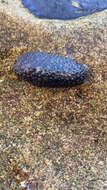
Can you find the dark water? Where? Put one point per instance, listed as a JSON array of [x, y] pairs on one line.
[[64, 9]]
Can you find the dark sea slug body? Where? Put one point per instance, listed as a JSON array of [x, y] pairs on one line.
[[64, 9], [43, 69]]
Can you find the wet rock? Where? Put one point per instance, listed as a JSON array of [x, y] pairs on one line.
[[63, 9], [43, 69]]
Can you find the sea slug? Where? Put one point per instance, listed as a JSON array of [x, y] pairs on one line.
[[63, 9], [49, 70]]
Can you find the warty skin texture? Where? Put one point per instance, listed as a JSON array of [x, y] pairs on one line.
[[48, 70]]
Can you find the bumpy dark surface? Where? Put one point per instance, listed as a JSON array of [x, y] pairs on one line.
[[43, 69], [64, 9]]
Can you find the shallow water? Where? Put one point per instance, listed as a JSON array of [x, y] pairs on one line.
[[64, 9]]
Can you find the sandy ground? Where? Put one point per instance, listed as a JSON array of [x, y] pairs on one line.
[[53, 139]]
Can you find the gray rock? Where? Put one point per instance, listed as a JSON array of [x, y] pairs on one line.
[[43, 69]]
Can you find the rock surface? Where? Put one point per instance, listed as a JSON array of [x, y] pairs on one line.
[[43, 69], [63, 9], [52, 138], [75, 38]]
